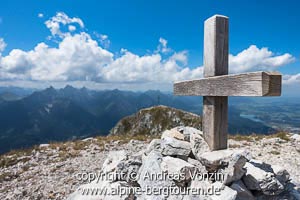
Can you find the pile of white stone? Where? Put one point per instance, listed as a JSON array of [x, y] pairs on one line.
[[182, 151]]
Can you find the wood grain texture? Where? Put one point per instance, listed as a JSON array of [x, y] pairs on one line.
[[216, 46], [215, 122], [248, 84], [218, 85], [215, 64]]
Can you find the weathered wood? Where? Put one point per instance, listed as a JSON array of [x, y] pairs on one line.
[[248, 84], [216, 46], [215, 63], [214, 122], [218, 85]]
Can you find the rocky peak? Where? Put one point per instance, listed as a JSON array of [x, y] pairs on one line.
[[253, 167], [154, 120], [176, 157]]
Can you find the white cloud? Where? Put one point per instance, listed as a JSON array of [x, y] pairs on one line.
[[253, 59], [291, 79], [163, 46], [2, 45], [123, 50], [56, 22], [180, 57], [40, 15], [103, 39], [77, 57], [131, 68], [71, 28], [80, 59]]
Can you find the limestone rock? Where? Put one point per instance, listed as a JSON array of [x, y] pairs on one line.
[[25, 179], [295, 137], [148, 172], [198, 144], [228, 162], [201, 168], [181, 170], [154, 144], [281, 174], [187, 131], [288, 194], [226, 192], [129, 170], [204, 185], [123, 166], [173, 133], [259, 176], [112, 161], [173, 147], [242, 192], [298, 147]]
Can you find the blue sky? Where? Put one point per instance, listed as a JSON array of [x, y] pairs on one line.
[[140, 44]]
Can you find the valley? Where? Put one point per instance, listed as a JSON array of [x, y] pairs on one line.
[[33, 117]]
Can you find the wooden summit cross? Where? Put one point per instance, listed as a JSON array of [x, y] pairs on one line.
[[218, 85]]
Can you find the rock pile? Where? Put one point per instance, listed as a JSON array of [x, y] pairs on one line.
[[181, 166]]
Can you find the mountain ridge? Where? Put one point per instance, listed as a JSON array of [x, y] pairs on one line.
[[154, 120], [69, 113]]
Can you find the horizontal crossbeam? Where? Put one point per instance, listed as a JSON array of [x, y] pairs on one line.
[[248, 84]]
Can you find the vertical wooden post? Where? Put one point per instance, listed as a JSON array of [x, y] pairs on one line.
[[215, 109]]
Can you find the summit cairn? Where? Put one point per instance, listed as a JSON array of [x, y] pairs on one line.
[[218, 85], [172, 167]]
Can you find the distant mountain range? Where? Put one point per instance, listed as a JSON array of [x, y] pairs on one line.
[[62, 114]]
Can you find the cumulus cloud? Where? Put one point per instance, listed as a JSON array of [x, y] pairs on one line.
[[291, 79], [2, 45], [81, 59], [131, 68], [77, 57], [253, 59], [55, 24]]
